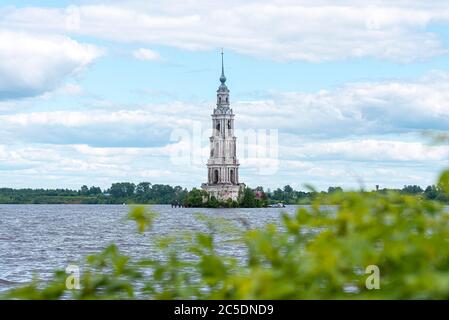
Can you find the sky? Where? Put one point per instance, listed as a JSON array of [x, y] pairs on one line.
[[96, 92]]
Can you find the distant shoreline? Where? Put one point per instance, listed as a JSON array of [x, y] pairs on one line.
[[141, 204], [146, 193]]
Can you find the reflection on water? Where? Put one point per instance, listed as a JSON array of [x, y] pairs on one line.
[[37, 239]]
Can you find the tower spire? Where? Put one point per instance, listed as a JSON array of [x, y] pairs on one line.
[[222, 78]]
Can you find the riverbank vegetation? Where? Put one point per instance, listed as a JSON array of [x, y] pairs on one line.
[[376, 245], [247, 198], [147, 193]]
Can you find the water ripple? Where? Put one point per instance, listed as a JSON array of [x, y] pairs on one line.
[[37, 239]]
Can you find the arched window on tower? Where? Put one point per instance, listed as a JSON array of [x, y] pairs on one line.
[[231, 173], [215, 180], [218, 128]]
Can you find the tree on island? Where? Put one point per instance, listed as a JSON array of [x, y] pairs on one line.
[[248, 200], [196, 198]]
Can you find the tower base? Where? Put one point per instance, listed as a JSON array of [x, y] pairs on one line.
[[223, 192]]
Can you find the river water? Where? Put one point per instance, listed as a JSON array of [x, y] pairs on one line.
[[37, 239]]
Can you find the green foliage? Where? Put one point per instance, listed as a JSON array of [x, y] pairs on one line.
[[412, 189], [436, 193], [159, 193], [30, 196], [248, 199], [196, 198], [92, 191], [316, 253], [213, 202], [443, 182], [334, 189], [122, 189], [230, 204], [288, 195], [142, 217], [118, 193]]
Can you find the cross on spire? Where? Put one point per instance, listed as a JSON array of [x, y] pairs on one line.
[[222, 78]]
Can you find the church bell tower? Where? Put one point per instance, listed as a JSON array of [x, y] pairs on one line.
[[223, 166]]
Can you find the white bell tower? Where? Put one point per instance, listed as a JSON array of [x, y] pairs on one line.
[[223, 166]]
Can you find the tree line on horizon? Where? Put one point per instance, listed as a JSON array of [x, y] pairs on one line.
[[148, 193]]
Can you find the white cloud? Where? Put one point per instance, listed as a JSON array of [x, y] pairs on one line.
[[47, 165], [383, 107], [69, 89], [166, 115], [368, 150], [31, 64], [356, 109], [280, 30], [80, 164], [147, 55]]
